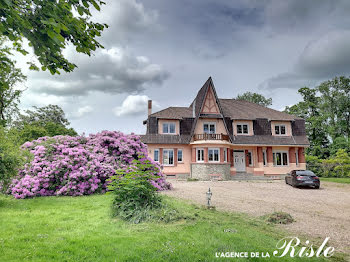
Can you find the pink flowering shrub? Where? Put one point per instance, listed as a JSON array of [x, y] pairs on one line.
[[73, 166]]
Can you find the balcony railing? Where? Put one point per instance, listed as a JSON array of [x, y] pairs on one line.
[[198, 137]]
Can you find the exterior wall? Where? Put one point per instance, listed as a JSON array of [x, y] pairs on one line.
[[248, 122], [220, 127], [177, 126], [210, 106], [286, 123], [181, 167], [202, 171]]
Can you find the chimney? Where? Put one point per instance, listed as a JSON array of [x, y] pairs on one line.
[[149, 107]]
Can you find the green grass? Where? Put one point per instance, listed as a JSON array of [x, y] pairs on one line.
[[336, 180], [81, 229]]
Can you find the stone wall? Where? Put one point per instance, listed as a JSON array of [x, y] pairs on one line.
[[202, 171]]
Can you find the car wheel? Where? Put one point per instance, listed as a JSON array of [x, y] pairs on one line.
[[317, 187], [286, 180]]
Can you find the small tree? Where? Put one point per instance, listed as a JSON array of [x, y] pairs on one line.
[[255, 98]]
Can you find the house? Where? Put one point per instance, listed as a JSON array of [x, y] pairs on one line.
[[224, 137]]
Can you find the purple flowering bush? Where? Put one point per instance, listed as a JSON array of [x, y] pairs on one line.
[[74, 166]]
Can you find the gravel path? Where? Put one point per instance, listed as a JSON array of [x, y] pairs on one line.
[[318, 213]]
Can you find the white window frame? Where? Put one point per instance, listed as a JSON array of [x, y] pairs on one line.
[[209, 123], [297, 157], [279, 128], [242, 124], [154, 152], [225, 155], [251, 157], [214, 148], [182, 155], [170, 150], [275, 159], [169, 123], [202, 149], [264, 157]]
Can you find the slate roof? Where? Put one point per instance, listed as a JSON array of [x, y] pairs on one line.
[[174, 113], [244, 110], [270, 140], [165, 139]]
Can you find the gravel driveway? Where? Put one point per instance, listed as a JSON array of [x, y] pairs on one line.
[[318, 213]]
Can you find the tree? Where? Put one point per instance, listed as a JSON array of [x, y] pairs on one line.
[[255, 98], [315, 121], [42, 121], [10, 76], [326, 110], [335, 103], [49, 27]]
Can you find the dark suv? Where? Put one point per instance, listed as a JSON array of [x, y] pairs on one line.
[[298, 178]]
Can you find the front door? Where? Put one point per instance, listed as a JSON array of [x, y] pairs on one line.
[[239, 159]]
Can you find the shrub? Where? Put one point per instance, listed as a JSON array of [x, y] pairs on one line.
[[338, 165], [135, 192], [280, 218], [65, 165], [11, 158]]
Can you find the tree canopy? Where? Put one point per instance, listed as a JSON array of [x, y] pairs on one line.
[[10, 76], [326, 110], [49, 27], [255, 98]]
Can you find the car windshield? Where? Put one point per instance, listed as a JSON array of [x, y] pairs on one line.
[[305, 173]]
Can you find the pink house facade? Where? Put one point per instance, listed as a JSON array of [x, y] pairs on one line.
[[224, 137]]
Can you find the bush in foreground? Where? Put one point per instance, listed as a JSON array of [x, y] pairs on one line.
[[65, 165]]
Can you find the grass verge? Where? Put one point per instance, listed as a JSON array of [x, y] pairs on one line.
[[82, 229], [336, 180]]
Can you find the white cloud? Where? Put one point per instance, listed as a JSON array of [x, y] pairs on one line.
[[132, 105], [82, 111]]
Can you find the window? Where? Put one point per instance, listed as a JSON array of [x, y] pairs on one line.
[[250, 158], [168, 128], [200, 155], [280, 158], [213, 154], [280, 130], [296, 157], [264, 158], [242, 129], [156, 155], [209, 128], [168, 157], [225, 154], [179, 155]]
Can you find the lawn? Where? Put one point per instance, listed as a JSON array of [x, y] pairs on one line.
[[81, 229], [336, 180]]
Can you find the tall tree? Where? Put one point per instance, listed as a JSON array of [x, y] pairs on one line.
[[335, 103], [255, 98], [315, 121], [50, 26], [10, 77]]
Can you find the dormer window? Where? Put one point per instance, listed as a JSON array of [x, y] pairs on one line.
[[280, 130], [242, 129], [168, 128], [209, 128]]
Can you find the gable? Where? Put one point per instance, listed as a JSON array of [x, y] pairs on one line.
[[210, 105]]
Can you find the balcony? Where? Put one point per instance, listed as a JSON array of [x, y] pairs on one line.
[[199, 137]]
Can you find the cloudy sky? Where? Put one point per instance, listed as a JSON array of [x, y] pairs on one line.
[[165, 50]]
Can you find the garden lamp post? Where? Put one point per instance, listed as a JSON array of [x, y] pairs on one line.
[[209, 194]]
